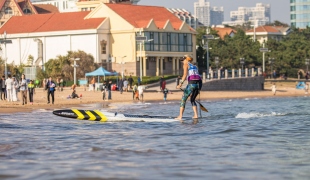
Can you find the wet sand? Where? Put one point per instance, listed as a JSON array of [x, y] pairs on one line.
[[91, 97]]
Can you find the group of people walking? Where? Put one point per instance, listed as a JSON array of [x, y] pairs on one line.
[[11, 86]]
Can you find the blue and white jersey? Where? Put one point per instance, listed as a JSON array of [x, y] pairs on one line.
[[193, 73]]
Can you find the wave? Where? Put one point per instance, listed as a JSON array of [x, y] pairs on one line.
[[257, 114]]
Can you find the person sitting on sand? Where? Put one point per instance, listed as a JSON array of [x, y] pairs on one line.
[[74, 95]]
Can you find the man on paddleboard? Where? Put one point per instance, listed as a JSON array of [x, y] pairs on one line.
[[190, 72]]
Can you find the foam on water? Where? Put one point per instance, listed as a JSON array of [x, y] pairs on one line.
[[257, 114]]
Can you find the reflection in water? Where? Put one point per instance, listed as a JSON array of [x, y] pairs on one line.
[[237, 139]]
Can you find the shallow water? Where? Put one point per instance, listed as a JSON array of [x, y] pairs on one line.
[[237, 139]]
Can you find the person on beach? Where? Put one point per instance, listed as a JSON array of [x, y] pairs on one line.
[[139, 81], [140, 91], [2, 88], [15, 89], [31, 91], [125, 84], [161, 83], [74, 95], [274, 89], [190, 72], [103, 89], [50, 86], [120, 85], [109, 86], [9, 88], [23, 89], [130, 80], [306, 88], [93, 83], [135, 94], [165, 91]]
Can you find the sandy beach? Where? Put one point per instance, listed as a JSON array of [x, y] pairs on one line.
[[284, 89]]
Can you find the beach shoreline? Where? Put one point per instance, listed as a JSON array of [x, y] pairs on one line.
[[95, 97]]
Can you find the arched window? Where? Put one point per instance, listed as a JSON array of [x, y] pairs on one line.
[[8, 10], [27, 11]]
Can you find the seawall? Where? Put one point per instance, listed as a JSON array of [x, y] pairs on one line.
[[237, 84]]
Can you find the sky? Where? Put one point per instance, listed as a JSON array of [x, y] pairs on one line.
[[280, 9]]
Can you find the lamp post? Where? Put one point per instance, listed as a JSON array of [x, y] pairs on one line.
[[205, 43], [5, 41], [141, 39], [242, 63], [307, 63], [122, 63], [217, 61], [75, 66], [271, 61], [254, 27]]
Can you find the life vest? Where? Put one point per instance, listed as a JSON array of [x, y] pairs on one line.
[[193, 73]]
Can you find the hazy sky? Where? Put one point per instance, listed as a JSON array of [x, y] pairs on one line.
[[280, 9]]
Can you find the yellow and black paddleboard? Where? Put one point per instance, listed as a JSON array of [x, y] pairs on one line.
[[92, 115]]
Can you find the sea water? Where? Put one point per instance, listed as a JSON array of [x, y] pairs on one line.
[[249, 138]]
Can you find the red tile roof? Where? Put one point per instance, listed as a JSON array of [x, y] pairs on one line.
[[45, 8], [269, 29], [50, 22], [140, 16], [222, 32]]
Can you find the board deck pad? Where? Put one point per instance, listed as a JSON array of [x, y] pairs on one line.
[[96, 115]]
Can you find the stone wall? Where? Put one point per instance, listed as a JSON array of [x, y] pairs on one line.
[[237, 84]]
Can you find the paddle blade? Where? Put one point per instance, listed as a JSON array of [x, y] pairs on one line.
[[202, 107]]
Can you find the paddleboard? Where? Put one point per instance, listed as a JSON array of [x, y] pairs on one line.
[[96, 115]]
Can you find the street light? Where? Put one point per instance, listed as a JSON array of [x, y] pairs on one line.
[[5, 41], [307, 63], [75, 66], [141, 39], [271, 61], [242, 63], [217, 61], [205, 43], [122, 63], [254, 27]]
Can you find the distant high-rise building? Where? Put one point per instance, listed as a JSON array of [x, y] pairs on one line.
[[258, 15], [208, 15], [300, 13], [185, 16]]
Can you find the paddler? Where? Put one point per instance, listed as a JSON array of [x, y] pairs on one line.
[[191, 74]]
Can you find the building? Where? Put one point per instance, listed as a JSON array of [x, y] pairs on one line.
[[62, 5], [80, 5], [258, 15], [9, 8], [117, 35], [185, 16], [208, 15], [217, 16], [265, 33], [300, 13], [223, 31]]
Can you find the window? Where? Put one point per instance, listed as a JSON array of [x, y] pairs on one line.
[[103, 44], [8, 10], [84, 9], [27, 11]]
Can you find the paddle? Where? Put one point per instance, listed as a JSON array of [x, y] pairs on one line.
[[201, 106]]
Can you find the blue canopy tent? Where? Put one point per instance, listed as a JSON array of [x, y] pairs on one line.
[[101, 72]]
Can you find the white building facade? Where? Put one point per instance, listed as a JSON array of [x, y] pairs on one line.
[[258, 15], [71, 6], [62, 5], [108, 33], [208, 15]]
